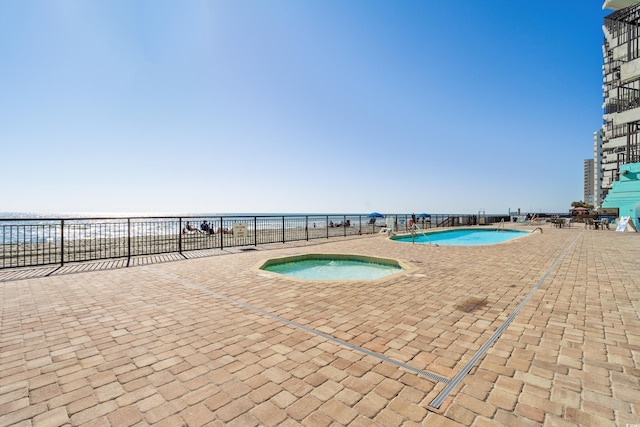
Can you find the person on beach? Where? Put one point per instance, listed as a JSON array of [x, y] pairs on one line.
[[190, 229], [204, 226]]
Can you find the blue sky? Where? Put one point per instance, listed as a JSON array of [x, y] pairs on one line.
[[297, 106]]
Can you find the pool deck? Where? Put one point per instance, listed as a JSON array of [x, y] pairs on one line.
[[542, 330]]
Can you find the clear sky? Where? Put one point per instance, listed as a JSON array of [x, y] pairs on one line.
[[299, 106]]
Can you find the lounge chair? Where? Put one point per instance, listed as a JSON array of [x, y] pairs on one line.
[[390, 226]]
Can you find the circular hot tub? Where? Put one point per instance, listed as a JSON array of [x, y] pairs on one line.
[[334, 267]]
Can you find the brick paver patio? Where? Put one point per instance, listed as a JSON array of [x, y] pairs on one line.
[[213, 341]]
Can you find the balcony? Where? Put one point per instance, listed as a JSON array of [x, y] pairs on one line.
[[621, 105], [630, 70], [618, 4]]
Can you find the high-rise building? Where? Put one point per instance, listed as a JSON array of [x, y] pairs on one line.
[[620, 135], [596, 174], [588, 182]]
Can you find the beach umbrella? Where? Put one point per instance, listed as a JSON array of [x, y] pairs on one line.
[[424, 215], [375, 215]]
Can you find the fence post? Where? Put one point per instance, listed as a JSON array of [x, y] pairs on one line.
[[255, 231], [283, 229], [344, 224], [326, 224], [221, 235], [306, 226], [61, 242], [128, 241], [180, 236]]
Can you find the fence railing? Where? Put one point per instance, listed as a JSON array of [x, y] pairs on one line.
[[31, 242]]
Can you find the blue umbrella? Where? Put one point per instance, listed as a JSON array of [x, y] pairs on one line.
[[375, 215], [424, 215]]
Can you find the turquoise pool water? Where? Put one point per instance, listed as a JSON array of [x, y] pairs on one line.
[[333, 269], [463, 237]]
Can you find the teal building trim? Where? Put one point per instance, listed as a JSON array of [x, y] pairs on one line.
[[625, 193]]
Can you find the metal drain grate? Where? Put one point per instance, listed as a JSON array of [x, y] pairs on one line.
[[435, 403], [359, 349]]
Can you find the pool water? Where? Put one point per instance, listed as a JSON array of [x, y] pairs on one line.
[[463, 237], [333, 269]]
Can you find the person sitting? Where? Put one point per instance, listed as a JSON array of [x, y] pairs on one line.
[[204, 226]]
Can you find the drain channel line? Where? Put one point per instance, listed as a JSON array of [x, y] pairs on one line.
[[328, 337], [453, 383]]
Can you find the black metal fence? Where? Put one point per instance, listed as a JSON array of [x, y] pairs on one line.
[[30, 242]]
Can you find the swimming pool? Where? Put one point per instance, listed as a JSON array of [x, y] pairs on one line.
[[333, 267], [463, 237]]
